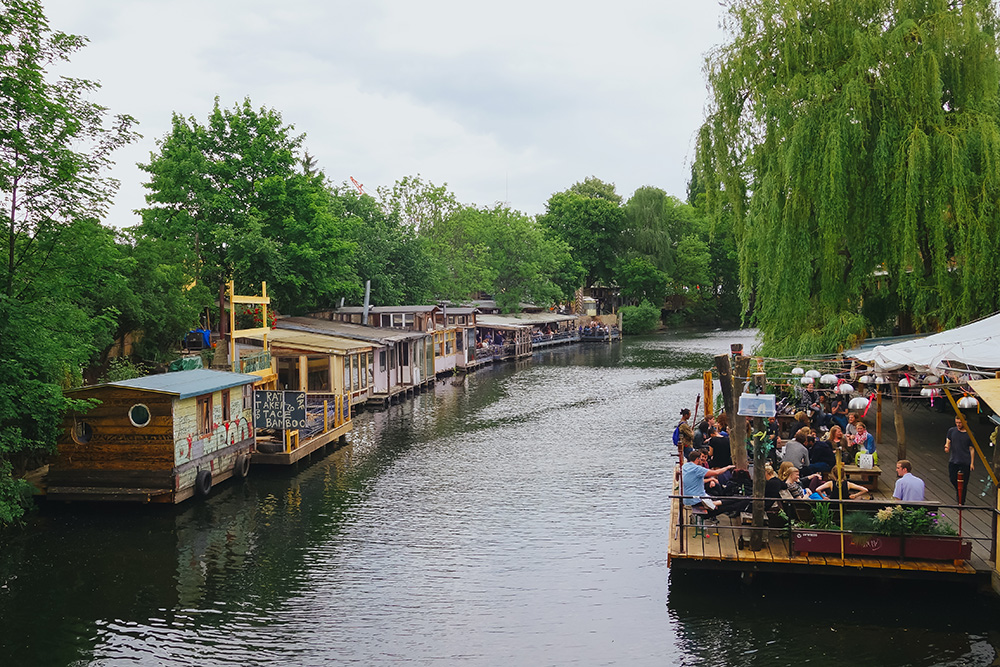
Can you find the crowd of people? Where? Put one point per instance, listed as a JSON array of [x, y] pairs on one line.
[[803, 467]]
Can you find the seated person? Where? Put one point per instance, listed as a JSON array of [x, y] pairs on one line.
[[801, 422], [839, 488], [852, 424], [821, 456], [795, 450], [794, 483], [865, 442], [772, 485], [693, 475]]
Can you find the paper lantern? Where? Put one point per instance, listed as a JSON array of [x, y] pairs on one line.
[[797, 371], [865, 379], [881, 379], [858, 403], [812, 374], [828, 378], [930, 392], [844, 388], [967, 402], [906, 383], [806, 380]]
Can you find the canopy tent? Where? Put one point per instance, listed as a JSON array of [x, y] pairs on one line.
[[974, 345]]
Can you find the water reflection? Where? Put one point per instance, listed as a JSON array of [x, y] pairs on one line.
[[517, 516]]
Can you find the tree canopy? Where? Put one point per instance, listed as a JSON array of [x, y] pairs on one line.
[[55, 147], [589, 218], [230, 191], [853, 147]]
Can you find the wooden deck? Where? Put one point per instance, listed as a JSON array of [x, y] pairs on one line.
[[719, 548], [304, 449]]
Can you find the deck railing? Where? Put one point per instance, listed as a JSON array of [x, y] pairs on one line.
[[785, 505]]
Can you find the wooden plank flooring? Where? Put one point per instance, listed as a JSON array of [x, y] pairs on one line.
[[926, 431]]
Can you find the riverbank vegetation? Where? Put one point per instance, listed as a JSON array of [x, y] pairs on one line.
[[852, 148]]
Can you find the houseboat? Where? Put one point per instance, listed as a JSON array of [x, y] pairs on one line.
[[333, 373], [403, 361], [160, 438]]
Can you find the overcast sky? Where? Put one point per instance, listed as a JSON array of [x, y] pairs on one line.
[[507, 101]]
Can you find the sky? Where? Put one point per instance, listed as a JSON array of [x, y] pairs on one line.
[[503, 102]]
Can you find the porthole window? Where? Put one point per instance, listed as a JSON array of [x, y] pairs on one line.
[[82, 432], [138, 414]]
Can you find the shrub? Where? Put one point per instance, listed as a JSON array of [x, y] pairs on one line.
[[640, 319]]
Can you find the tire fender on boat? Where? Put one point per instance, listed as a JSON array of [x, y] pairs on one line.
[[242, 466], [203, 482]]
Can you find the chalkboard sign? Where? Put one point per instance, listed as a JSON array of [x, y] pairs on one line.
[[279, 409]]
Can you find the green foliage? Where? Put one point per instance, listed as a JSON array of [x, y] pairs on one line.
[[230, 193], [852, 147], [639, 280], [390, 254], [640, 319], [901, 520], [589, 219], [53, 318], [122, 368], [823, 516], [503, 252], [419, 204]]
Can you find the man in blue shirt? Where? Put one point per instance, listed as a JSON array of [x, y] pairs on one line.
[[693, 475], [908, 487]]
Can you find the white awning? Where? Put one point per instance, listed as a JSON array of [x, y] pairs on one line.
[[975, 345]]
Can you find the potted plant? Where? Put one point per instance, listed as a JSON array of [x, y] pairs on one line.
[[892, 532]]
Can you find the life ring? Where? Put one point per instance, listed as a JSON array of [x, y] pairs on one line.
[[203, 482], [242, 466]]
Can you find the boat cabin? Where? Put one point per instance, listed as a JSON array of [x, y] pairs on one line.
[[160, 438]]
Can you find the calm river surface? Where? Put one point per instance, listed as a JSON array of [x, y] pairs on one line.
[[519, 518]]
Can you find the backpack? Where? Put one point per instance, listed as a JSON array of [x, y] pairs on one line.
[[677, 434]]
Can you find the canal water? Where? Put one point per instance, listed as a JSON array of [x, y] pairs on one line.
[[516, 517]]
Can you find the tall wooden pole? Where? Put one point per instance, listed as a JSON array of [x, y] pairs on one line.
[[707, 393], [757, 537], [897, 419], [738, 425], [723, 365]]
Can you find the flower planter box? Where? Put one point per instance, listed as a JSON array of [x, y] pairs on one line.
[[917, 547]]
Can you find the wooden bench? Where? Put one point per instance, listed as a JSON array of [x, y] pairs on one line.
[[866, 477]]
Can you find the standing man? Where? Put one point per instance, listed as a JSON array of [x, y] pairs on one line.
[[908, 486], [959, 445]]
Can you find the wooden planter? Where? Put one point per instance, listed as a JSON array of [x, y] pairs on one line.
[[916, 547]]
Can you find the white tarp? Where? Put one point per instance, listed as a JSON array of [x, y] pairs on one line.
[[976, 345]]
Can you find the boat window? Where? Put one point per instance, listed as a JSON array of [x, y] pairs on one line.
[[204, 414], [82, 432], [139, 415]]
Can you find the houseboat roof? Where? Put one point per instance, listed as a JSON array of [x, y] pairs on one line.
[[185, 384], [523, 319], [387, 309], [311, 342], [460, 310], [379, 335]]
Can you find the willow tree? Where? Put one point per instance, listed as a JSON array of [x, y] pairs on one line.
[[855, 149]]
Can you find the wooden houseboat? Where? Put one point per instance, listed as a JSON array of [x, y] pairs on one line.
[[334, 373], [160, 438], [500, 337], [403, 361], [463, 321]]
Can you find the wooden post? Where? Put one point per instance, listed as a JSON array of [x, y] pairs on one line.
[[757, 536], [897, 419], [326, 416], [878, 414], [738, 424], [707, 393], [722, 364]]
